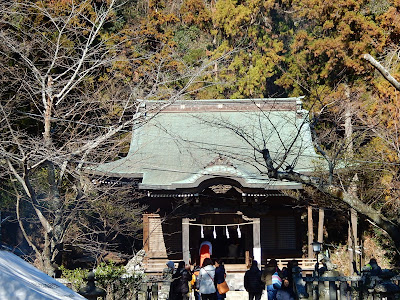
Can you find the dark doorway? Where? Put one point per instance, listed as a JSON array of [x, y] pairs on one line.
[[232, 248]]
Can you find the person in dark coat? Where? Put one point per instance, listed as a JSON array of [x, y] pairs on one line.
[[288, 272], [252, 282], [375, 268], [285, 292], [180, 283], [219, 276]]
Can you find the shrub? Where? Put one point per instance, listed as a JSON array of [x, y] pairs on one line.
[[113, 279]]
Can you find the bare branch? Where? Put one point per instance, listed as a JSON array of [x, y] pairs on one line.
[[385, 73]]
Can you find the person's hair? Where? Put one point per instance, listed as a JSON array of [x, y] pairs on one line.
[[254, 263], [219, 261], [207, 261], [272, 262], [294, 263], [181, 265]]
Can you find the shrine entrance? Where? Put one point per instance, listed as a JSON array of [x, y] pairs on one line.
[[230, 234]]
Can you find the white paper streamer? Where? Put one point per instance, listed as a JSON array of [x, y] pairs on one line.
[[227, 232], [238, 231], [202, 232], [215, 233]]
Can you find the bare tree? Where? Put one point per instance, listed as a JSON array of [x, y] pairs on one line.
[[385, 73], [63, 106], [334, 185], [339, 174]]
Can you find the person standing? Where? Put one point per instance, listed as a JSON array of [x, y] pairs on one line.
[[206, 280], [180, 285], [195, 282], [252, 282], [270, 269], [205, 251], [220, 276], [288, 272], [169, 270]]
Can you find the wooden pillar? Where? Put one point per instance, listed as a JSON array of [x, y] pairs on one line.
[[146, 236], [310, 232], [185, 240], [321, 216], [257, 241]]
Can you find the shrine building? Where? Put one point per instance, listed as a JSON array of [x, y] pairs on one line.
[[198, 165]]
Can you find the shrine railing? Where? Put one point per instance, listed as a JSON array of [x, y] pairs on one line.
[[331, 287]]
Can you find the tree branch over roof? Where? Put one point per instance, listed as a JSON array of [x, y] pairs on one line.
[[338, 193], [382, 70]]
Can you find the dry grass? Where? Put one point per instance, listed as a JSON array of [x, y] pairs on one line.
[[372, 249]]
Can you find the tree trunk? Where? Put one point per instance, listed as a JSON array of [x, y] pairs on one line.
[[350, 247], [354, 236], [58, 228], [48, 104]]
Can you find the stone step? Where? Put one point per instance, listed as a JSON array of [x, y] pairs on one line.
[[237, 295], [231, 295], [235, 281]]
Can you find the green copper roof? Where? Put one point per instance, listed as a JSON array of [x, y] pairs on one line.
[[192, 141]]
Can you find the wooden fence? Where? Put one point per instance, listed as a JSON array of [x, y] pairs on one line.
[[306, 264]]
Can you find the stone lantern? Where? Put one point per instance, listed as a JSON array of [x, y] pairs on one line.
[[90, 291]]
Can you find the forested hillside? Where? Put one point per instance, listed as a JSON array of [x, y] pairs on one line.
[[71, 72]]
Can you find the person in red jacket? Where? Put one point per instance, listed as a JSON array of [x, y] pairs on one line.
[[205, 251]]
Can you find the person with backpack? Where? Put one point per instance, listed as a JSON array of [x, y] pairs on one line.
[[206, 277], [271, 277]]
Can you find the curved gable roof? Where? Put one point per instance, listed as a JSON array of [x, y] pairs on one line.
[[195, 140]]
